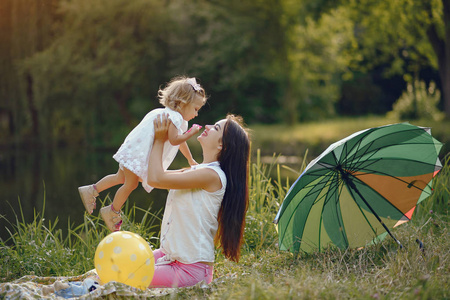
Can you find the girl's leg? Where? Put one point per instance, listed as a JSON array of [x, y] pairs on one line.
[[130, 183], [110, 180], [89, 193], [111, 214]]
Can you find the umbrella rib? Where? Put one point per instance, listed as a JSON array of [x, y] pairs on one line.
[[356, 166], [356, 147], [341, 222], [368, 146], [352, 186], [362, 212], [323, 207], [335, 184], [397, 159], [339, 169], [311, 192], [375, 191], [360, 160], [375, 150], [410, 184]]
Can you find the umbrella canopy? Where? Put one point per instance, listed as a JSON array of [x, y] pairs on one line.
[[358, 188]]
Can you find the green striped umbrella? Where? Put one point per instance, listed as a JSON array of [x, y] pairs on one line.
[[359, 188]]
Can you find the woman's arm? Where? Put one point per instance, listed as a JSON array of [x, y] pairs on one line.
[[204, 178]]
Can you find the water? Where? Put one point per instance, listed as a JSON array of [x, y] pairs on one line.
[[32, 175]]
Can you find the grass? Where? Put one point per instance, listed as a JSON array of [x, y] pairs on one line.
[[317, 136], [380, 271], [39, 248]]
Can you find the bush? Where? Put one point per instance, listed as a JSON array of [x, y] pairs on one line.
[[418, 101]]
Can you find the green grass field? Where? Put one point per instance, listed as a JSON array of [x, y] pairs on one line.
[[316, 136], [381, 271]]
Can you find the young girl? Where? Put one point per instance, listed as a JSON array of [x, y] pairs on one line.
[[182, 97]]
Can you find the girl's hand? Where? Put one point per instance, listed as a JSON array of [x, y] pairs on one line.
[[194, 129], [161, 125], [192, 162]]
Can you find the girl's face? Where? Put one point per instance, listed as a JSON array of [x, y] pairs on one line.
[[190, 110], [212, 135]]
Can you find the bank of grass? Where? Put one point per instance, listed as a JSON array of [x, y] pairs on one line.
[[318, 135], [381, 271]]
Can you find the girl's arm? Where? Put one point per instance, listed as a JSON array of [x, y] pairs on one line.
[[204, 178], [178, 139], [184, 149]]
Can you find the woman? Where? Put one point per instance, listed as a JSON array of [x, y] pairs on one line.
[[206, 204]]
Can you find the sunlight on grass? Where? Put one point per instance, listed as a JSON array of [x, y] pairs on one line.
[[316, 136], [327, 130]]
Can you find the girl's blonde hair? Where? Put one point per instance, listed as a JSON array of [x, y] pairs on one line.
[[179, 90]]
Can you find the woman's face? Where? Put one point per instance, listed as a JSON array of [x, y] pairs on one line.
[[212, 135]]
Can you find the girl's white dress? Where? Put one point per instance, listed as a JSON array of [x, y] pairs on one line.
[[134, 153]]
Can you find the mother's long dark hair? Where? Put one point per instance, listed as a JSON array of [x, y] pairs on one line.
[[234, 161]]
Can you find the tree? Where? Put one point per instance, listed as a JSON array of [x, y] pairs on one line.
[[440, 40], [238, 48], [107, 52], [266, 61], [26, 27], [409, 35]]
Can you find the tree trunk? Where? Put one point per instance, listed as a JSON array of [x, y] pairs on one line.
[[442, 49], [33, 110], [290, 105], [122, 103], [446, 63], [446, 91]]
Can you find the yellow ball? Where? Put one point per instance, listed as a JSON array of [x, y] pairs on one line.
[[125, 257]]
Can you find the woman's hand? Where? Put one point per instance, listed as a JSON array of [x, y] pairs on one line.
[[161, 125]]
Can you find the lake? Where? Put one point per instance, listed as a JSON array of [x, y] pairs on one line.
[[34, 174]]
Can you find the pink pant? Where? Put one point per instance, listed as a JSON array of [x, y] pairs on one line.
[[177, 274]]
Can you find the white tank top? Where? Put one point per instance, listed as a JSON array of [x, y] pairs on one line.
[[190, 223]]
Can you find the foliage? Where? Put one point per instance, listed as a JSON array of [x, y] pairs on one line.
[[88, 71], [392, 45], [320, 58], [264, 194], [439, 200], [88, 74], [234, 48], [37, 249], [396, 32], [418, 101]]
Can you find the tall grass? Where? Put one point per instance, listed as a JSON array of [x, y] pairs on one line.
[[380, 271], [40, 248], [438, 201]]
